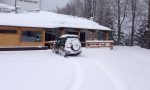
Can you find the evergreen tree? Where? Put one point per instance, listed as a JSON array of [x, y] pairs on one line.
[[140, 35]]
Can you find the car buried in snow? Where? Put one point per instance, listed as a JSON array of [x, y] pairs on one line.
[[68, 45]]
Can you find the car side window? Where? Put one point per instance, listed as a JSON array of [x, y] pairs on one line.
[[63, 41], [58, 41]]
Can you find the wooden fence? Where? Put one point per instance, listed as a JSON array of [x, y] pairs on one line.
[[90, 44], [98, 44]]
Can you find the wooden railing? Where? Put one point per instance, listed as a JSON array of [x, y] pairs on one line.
[[89, 44], [98, 44], [50, 44]]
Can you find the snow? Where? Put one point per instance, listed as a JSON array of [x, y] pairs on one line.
[[123, 68], [68, 35], [6, 6], [100, 41], [44, 19]]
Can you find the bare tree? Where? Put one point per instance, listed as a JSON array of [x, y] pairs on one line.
[[142, 21], [120, 13], [149, 16], [98, 10], [133, 15], [124, 16]]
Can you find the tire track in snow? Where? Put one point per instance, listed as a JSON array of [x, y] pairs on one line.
[[119, 83], [77, 78]]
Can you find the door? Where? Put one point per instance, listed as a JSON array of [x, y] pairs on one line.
[[82, 38]]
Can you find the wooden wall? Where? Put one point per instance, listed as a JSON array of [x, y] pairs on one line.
[[9, 39], [14, 39]]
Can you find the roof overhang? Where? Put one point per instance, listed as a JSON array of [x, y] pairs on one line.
[[49, 20]]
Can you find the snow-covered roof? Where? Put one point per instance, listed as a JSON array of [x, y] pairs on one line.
[[45, 19], [6, 6]]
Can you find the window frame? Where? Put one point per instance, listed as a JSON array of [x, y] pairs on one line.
[[32, 30], [7, 31]]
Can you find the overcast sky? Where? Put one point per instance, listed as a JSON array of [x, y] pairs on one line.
[[52, 4]]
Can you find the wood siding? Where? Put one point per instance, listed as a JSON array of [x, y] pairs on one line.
[[14, 39], [7, 39]]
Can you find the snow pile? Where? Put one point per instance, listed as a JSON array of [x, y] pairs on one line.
[[124, 68], [48, 20]]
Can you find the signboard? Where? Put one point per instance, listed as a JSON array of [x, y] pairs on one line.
[[28, 5]]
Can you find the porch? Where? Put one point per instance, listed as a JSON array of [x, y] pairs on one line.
[[89, 38], [35, 37]]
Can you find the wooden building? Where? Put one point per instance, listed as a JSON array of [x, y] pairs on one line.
[[147, 40], [39, 28]]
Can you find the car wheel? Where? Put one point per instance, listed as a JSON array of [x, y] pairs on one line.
[[75, 45]]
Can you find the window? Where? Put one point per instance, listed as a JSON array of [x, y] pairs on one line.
[[31, 36], [61, 41], [101, 35], [8, 31]]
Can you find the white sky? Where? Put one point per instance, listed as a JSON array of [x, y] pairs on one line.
[[52, 4]]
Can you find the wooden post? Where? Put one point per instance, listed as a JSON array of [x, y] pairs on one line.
[[43, 36], [147, 39], [78, 32], [93, 35], [106, 35], [62, 31], [19, 35]]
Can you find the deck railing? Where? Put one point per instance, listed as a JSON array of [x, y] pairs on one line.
[[50, 44], [90, 43], [98, 44]]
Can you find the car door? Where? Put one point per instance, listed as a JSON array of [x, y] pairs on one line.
[[57, 45]]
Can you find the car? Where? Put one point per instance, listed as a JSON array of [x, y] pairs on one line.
[[68, 45]]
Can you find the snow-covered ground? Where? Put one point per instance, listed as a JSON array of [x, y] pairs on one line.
[[124, 68]]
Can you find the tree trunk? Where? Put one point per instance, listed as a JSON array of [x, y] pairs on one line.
[[133, 29], [134, 5], [16, 6], [119, 26], [148, 26], [149, 16]]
